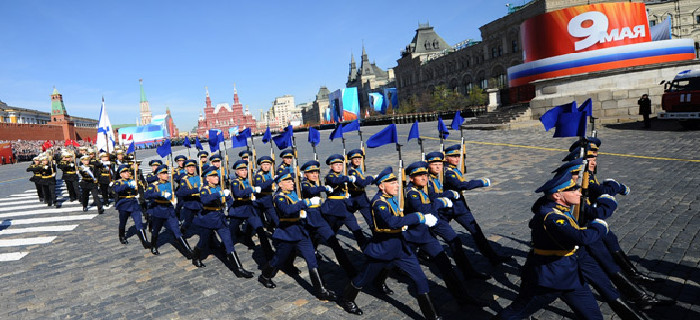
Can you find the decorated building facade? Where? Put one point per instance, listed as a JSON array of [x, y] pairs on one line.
[[224, 117]]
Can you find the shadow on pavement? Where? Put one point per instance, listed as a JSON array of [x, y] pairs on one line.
[[656, 125]]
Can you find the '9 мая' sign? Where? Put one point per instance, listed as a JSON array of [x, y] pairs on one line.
[[584, 28]]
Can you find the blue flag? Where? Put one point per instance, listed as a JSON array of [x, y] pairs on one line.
[[213, 140], [164, 149], [570, 124], [549, 118], [246, 133], [413, 134], [587, 107], [314, 136], [239, 140], [198, 144], [386, 136], [352, 126], [442, 129], [221, 137], [284, 140], [132, 147], [267, 136], [457, 121], [186, 143], [337, 133]]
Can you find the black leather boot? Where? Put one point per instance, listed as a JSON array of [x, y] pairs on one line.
[[347, 300], [342, 257], [485, 248], [427, 307], [185, 247], [238, 267], [197, 257], [268, 252], [122, 236], [144, 240], [630, 270], [636, 294], [463, 262], [380, 282], [452, 281], [266, 276], [319, 290], [624, 311], [154, 244]]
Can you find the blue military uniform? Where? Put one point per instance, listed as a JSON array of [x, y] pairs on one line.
[[358, 200], [188, 195], [162, 213], [335, 208], [388, 246], [128, 206], [212, 218], [552, 268], [315, 224], [151, 176], [243, 209], [455, 181], [177, 175], [286, 153], [291, 236], [265, 181]]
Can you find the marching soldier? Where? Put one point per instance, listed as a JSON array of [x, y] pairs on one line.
[[119, 158], [264, 179], [88, 184], [455, 181], [287, 156], [552, 266], [70, 177], [212, 218], [215, 161], [335, 208], [315, 224], [105, 178], [48, 180], [178, 172], [358, 200], [388, 246], [163, 213], [419, 236], [292, 236], [243, 207], [188, 193], [126, 190], [245, 155], [203, 158], [151, 176], [442, 228], [35, 169]]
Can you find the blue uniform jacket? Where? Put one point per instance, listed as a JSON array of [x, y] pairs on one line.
[[281, 168], [264, 181], [126, 195], [454, 180], [213, 205], [288, 207], [357, 188], [161, 206], [189, 191], [311, 189], [242, 207], [336, 204], [387, 242], [552, 262], [151, 178], [418, 201]]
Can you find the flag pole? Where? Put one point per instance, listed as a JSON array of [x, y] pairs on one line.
[[401, 179], [362, 146], [313, 146], [223, 171], [254, 155]]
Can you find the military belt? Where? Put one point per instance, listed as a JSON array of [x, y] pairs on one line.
[[388, 230], [336, 197], [162, 201], [289, 219], [212, 208], [265, 193], [70, 172], [126, 197], [315, 206], [559, 253]]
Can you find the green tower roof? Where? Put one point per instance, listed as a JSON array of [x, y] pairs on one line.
[[143, 93]]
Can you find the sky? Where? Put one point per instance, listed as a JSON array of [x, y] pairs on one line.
[[267, 49]]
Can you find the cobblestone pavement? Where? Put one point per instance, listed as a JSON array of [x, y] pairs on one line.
[[86, 273]]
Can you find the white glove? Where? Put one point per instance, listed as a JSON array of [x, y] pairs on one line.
[[315, 201], [430, 220], [352, 179], [448, 202], [455, 194], [487, 182], [106, 162], [132, 183], [252, 197], [71, 165], [46, 167], [329, 188], [302, 214], [166, 194], [111, 183], [227, 192], [257, 189]]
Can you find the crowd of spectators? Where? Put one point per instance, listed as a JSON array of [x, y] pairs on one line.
[[25, 150]]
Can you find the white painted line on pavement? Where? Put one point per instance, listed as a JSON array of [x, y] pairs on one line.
[[38, 229], [38, 205], [12, 222], [12, 256], [41, 211], [26, 241]]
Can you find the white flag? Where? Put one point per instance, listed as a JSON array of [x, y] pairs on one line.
[[105, 136]]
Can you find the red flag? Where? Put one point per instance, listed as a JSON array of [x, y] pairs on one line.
[[131, 137], [67, 143], [123, 136], [88, 140], [76, 144]]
